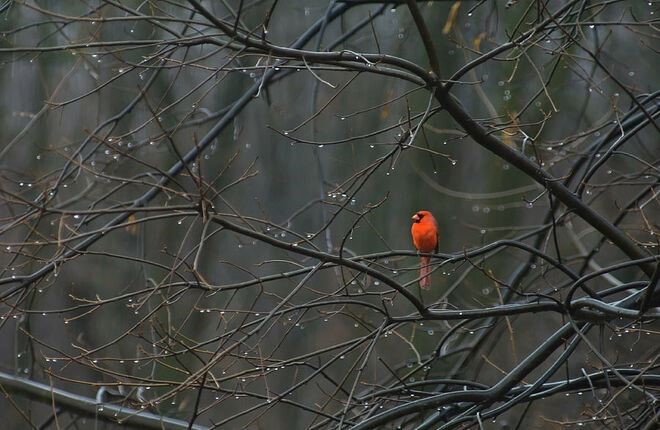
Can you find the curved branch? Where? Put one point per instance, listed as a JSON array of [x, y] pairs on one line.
[[89, 407]]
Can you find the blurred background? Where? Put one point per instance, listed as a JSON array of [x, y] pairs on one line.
[[101, 100]]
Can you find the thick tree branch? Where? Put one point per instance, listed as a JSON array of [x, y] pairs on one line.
[[87, 406], [499, 148]]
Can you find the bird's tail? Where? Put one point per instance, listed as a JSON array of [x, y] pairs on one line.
[[425, 273]]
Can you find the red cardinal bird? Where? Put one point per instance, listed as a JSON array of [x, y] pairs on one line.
[[425, 237]]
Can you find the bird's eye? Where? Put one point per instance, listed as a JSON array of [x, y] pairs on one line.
[[421, 215]]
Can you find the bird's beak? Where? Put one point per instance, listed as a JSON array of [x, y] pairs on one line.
[[415, 218]]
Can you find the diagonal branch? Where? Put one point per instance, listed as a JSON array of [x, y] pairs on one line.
[[497, 147], [88, 406]]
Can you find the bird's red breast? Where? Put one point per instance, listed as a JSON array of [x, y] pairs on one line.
[[425, 232]]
